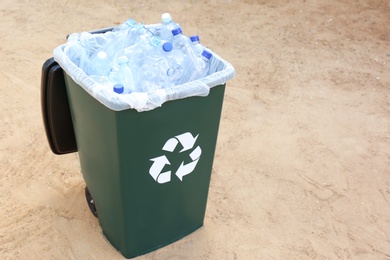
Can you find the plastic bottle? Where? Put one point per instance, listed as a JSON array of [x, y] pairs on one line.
[[202, 65], [205, 64], [140, 50], [118, 39], [173, 70], [165, 68], [144, 34], [150, 75], [196, 46], [99, 64], [77, 52], [129, 24], [151, 65], [180, 41], [131, 36], [136, 55], [185, 54], [167, 25], [112, 47], [124, 75], [183, 44]]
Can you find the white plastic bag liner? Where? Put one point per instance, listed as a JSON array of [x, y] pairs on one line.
[[219, 73]]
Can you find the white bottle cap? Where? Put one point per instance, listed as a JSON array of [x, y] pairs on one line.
[[166, 18], [102, 55]]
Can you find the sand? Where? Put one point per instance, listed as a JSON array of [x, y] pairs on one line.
[[302, 165]]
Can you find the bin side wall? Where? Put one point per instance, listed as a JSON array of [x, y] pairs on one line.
[[162, 213], [116, 148], [97, 141]]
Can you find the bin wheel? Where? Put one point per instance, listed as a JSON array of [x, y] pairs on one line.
[[91, 202]]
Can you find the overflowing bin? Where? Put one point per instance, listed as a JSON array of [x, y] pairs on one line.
[[147, 173]]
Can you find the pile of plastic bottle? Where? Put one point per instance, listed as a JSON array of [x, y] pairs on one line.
[[134, 57]]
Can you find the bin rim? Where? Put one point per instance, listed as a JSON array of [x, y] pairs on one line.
[[144, 101]]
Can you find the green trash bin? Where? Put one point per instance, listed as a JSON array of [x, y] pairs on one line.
[[147, 172]]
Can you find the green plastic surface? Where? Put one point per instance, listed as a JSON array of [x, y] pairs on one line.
[[136, 213]]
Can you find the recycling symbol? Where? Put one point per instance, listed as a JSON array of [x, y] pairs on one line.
[[188, 142]]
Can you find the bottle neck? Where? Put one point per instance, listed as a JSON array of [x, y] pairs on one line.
[[205, 59]]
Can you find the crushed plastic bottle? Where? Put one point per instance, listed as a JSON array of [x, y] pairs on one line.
[[78, 52], [129, 24], [119, 38], [144, 34], [137, 54], [139, 57], [174, 68], [152, 65], [131, 36], [99, 64], [124, 75], [184, 55]]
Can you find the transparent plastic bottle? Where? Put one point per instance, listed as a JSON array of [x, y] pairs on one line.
[[144, 34], [124, 75], [120, 38], [138, 51], [77, 52], [202, 66], [131, 36], [150, 75], [180, 41], [99, 64], [196, 46], [173, 70], [128, 24], [150, 65], [112, 75], [145, 59], [167, 25], [185, 53], [183, 43], [112, 48]]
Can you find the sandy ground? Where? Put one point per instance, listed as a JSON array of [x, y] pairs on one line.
[[302, 164]]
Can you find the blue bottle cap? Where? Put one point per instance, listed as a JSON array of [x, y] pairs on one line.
[[118, 88], [167, 46], [177, 31], [194, 38], [207, 54]]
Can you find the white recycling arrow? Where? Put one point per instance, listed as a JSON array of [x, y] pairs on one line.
[[188, 142], [170, 145], [156, 168], [164, 177], [186, 169]]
